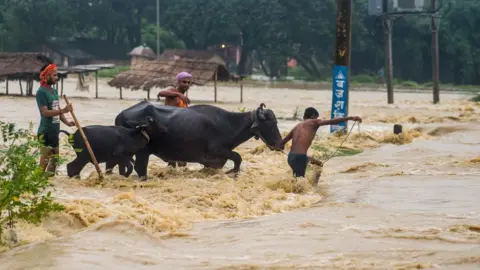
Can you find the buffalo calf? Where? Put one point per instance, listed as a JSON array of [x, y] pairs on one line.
[[111, 144]]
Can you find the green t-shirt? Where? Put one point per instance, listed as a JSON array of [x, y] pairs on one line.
[[48, 97]]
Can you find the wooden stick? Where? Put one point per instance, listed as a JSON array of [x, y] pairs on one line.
[[215, 86], [92, 155], [241, 91]]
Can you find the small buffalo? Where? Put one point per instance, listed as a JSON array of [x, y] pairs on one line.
[[115, 145]]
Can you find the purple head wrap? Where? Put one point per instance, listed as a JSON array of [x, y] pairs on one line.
[[182, 75]]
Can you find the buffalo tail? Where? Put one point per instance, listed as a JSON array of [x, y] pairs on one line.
[[65, 132], [70, 136]]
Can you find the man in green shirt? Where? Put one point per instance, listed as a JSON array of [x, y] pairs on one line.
[[50, 116]]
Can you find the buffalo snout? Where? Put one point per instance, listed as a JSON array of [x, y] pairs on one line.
[[279, 146], [271, 134]]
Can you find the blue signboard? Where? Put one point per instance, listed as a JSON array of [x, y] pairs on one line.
[[339, 96]]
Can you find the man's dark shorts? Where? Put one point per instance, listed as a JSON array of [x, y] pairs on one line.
[[298, 163], [49, 139]]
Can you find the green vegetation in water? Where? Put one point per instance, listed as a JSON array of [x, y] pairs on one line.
[[23, 184], [110, 73], [475, 98], [342, 151]]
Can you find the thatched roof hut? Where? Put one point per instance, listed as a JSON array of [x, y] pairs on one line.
[[161, 73], [141, 54], [22, 66], [197, 55], [142, 50]]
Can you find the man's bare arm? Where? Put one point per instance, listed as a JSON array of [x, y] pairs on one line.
[[168, 93], [51, 113], [337, 120], [63, 118]]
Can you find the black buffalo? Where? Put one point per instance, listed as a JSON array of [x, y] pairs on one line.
[[114, 145], [202, 134]]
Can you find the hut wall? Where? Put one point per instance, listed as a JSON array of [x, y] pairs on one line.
[[138, 60], [57, 58]]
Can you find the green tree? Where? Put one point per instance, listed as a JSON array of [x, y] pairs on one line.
[[167, 39]]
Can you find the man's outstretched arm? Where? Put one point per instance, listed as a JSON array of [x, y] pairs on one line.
[[337, 120], [168, 93]]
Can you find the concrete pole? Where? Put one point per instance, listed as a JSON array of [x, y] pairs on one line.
[[387, 28], [435, 56]]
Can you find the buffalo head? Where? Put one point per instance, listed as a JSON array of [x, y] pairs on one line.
[[265, 126], [148, 124]]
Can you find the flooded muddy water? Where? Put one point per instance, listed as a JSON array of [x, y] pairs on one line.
[[406, 201]]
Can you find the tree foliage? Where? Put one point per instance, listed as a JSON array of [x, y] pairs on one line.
[[271, 30]]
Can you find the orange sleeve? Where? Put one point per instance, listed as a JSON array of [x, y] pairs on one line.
[[182, 104]]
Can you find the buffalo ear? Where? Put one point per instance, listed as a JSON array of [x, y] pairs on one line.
[[261, 114], [132, 123]]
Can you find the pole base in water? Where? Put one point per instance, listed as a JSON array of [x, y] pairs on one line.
[[397, 129]]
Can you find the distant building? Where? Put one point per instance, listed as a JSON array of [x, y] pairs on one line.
[[199, 55], [66, 57], [141, 54], [84, 51]]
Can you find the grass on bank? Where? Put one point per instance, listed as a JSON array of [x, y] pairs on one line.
[[110, 73], [476, 98]]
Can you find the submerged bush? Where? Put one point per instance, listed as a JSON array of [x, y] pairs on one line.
[[23, 183]]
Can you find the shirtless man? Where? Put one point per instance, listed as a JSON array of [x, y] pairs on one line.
[[303, 135], [175, 96]]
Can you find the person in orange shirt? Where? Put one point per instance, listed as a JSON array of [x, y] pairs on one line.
[[175, 96]]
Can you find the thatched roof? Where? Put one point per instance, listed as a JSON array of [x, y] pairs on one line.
[[22, 66], [161, 73], [197, 55], [142, 50]]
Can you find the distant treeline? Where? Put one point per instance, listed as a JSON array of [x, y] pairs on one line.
[[273, 29]]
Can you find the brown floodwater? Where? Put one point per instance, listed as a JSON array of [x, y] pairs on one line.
[[403, 202]]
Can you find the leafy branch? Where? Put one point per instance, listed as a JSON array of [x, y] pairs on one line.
[[23, 183]]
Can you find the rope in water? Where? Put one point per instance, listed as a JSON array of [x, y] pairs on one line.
[[338, 148]]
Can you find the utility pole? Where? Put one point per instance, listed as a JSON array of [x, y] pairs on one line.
[[435, 57], [341, 69], [158, 29], [387, 28]]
